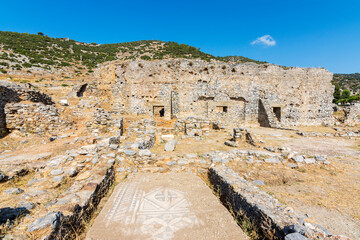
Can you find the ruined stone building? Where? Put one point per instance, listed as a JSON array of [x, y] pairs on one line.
[[230, 93], [23, 108]]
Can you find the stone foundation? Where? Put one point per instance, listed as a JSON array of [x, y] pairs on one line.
[[75, 222], [11, 93], [352, 113], [32, 118], [273, 220]]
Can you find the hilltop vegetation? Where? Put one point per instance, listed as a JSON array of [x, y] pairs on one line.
[[31, 50], [348, 81], [23, 50], [239, 59], [344, 82]]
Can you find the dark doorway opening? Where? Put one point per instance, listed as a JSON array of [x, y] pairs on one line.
[[81, 91], [223, 109], [159, 111], [277, 111], [162, 112]]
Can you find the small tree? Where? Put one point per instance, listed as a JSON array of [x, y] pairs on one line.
[[337, 93], [40, 33], [345, 94]]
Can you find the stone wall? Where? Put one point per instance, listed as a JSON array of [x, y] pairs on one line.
[[352, 113], [193, 127], [11, 93], [68, 187], [224, 92], [32, 118], [273, 220]]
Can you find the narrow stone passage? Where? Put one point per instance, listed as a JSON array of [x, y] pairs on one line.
[[164, 206]]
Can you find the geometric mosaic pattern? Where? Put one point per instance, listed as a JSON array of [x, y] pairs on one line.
[[158, 213]]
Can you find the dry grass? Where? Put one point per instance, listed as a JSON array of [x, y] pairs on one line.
[[213, 142], [332, 187], [319, 129], [16, 182]]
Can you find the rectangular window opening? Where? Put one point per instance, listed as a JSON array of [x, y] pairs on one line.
[[222, 109], [277, 111]]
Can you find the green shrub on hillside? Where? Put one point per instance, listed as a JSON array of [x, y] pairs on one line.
[[44, 51]]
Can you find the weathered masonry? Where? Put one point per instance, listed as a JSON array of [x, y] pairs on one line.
[[230, 93], [37, 116]]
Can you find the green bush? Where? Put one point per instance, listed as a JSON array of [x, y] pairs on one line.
[[345, 94], [27, 65], [145, 57], [45, 51]]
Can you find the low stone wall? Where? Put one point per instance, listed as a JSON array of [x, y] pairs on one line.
[[34, 118], [69, 225], [352, 113], [62, 195], [14, 93], [193, 126], [273, 220], [102, 117]]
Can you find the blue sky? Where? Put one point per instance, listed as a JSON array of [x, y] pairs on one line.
[[306, 33]]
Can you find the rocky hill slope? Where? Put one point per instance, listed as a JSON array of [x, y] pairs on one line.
[[40, 56], [348, 81], [32, 52]]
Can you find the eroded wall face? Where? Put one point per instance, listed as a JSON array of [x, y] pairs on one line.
[[11, 113], [352, 113], [219, 91], [32, 118]]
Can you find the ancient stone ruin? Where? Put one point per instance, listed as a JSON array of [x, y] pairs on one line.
[[14, 114], [231, 93], [148, 133], [352, 112]]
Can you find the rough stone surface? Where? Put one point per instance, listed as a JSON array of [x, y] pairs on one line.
[[170, 146], [10, 96], [56, 172], [52, 219], [13, 191], [9, 214], [309, 160], [231, 144], [145, 152], [129, 152], [352, 113], [258, 182], [298, 159], [295, 236], [271, 160], [197, 88]]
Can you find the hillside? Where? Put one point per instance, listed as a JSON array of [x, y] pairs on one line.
[[29, 52], [348, 81], [239, 59]]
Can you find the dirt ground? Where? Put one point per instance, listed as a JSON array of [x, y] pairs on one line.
[[213, 142], [329, 194]]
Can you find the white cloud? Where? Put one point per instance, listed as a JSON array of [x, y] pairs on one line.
[[265, 40]]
